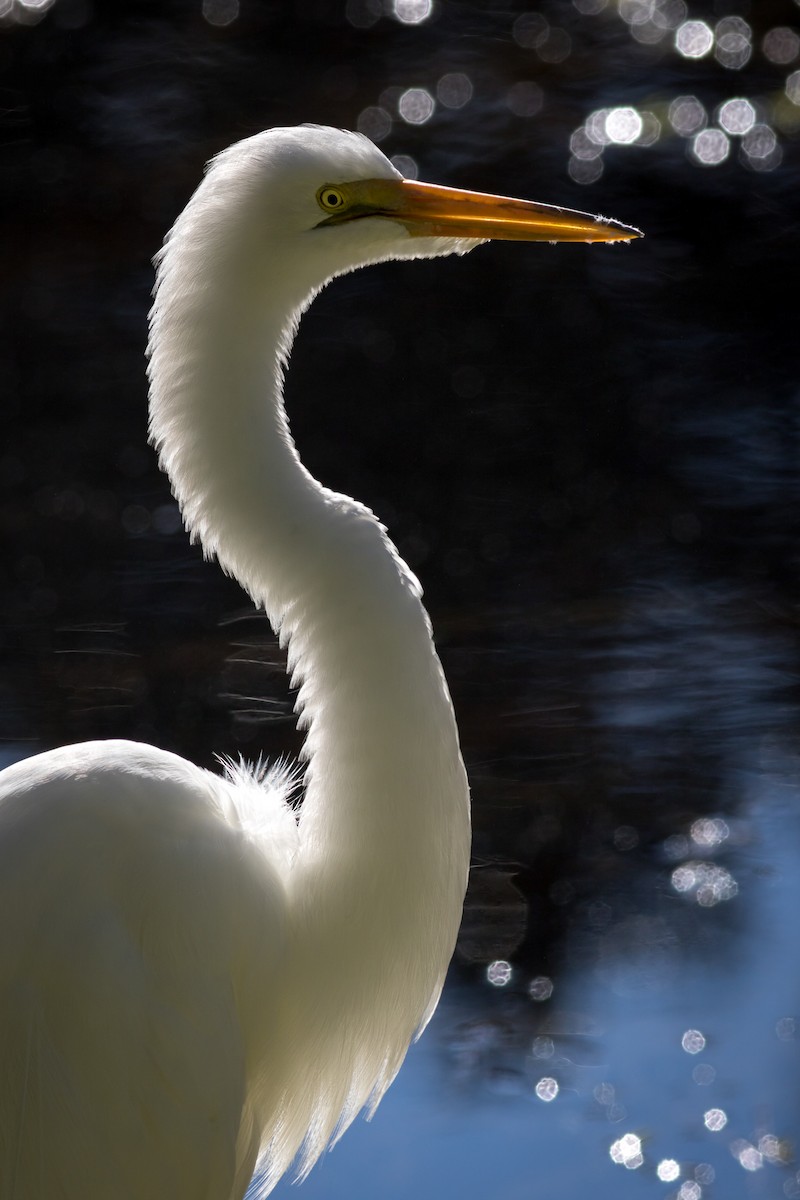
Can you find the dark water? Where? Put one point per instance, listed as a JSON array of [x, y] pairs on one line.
[[588, 454]]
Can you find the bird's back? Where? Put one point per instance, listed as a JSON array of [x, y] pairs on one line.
[[135, 918]]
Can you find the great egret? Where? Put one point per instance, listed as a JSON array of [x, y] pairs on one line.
[[195, 980]]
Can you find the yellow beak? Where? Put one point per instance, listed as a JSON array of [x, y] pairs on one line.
[[430, 211]]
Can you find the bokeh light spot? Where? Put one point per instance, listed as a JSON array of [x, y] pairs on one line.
[[363, 14], [547, 1089], [746, 1155], [761, 147], [781, 45], [693, 39], [715, 1119], [412, 12], [786, 1029], [623, 125], [693, 1041], [687, 115], [625, 836], [582, 146], [604, 1094], [454, 90], [416, 106], [635, 12], [530, 30], [651, 20], [712, 831], [627, 1151], [711, 147], [791, 1187], [24, 12], [651, 129], [556, 47], [595, 126], [735, 116], [406, 165], [705, 882], [775, 1150], [733, 43], [704, 1074], [499, 973], [375, 123], [793, 87], [220, 12], [668, 1170], [582, 171], [540, 988]]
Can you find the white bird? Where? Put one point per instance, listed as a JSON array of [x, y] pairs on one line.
[[197, 981]]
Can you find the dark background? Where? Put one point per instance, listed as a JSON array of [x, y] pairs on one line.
[[588, 454]]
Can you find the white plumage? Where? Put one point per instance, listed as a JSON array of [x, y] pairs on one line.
[[192, 980]]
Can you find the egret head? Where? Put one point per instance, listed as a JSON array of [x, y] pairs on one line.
[[327, 196], [319, 202]]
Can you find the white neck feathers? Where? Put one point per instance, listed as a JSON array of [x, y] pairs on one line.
[[384, 829]]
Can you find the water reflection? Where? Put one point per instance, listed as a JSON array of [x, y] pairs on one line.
[[635, 954]]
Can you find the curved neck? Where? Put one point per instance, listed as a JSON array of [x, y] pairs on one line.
[[332, 584], [375, 893]]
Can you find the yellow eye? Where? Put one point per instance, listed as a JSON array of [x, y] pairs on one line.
[[330, 198]]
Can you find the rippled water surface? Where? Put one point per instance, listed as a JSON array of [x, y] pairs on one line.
[[589, 455]]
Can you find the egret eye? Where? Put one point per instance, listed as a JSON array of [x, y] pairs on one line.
[[330, 198]]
